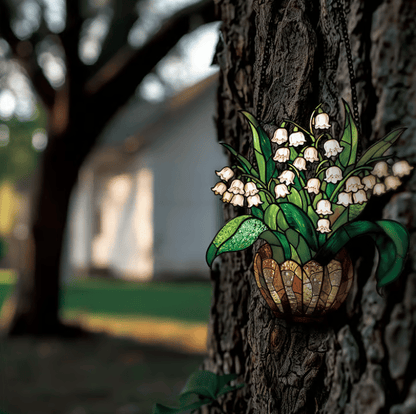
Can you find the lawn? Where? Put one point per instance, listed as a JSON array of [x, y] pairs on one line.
[[185, 301]]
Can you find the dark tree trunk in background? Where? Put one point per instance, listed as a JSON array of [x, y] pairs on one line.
[[359, 362], [77, 113]]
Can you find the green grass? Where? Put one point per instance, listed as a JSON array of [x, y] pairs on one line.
[[189, 302]]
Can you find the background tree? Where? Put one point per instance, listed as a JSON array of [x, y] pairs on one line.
[[279, 59], [79, 105]]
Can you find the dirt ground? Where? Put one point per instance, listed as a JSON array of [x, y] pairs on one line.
[[96, 375]]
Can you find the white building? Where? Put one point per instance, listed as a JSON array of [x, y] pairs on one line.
[[143, 208]]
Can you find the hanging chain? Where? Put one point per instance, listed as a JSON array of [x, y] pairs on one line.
[[339, 4]]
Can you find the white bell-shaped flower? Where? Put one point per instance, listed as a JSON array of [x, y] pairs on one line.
[[381, 169], [324, 207], [287, 177], [225, 174], [296, 138], [369, 181], [220, 188], [333, 175], [360, 197], [332, 148], [313, 185], [250, 189], [226, 197], [254, 201], [353, 184], [236, 187], [237, 200], [282, 155], [379, 189], [344, 199], [280, 135], [401, 168], [322, 121], [311, 154], [281, 190], [392, 182], [323, 226], [300, 163]]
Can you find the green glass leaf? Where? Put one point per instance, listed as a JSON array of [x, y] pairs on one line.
[[349, 140], [300, 222], [262, 149], [277, 239], [295, 198], [238, 234], [316, 199], [312, 214], [294, 255], [278, 253], [281, 221], [292, 237], [244, 237], [330, 187], [257, 212], [270, 216], [245, 164], [354, 210], [390, 237], [380, 147], [340, 221], [304, 251], [322, 238]]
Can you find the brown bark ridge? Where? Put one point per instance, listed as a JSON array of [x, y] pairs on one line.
[[359, 360]]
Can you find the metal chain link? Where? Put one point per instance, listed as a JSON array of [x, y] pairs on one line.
[[340, 6]]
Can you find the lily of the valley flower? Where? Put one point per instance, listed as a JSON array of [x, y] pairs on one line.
[[392, 182], [250, 189], [332, 148], [344, 199], [333, 175], [313, 185], [287, 177], [381, 169], [296, 138], [254, 201], [236, 187], [237, 200], [220, 188], [360, 197], [225, 174], [311, 154], [369, 181], [353, 184], [300, 163], [322, 121], [323, 226], [324, 207], [280, 135], [282, 155], [379, 189], [226, 197], [401, 168], [281, 190]]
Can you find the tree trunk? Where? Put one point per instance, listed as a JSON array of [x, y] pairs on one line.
[[359, 360]]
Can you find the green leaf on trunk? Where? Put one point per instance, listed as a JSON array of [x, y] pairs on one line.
[[244, 162], [238, 234], [349, 140], [390, 237], [380, 147]]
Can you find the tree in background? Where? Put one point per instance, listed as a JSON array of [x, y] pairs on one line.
[[80, 95], [278, 60]]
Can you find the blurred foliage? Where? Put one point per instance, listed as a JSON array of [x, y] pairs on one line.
[[18, 159]]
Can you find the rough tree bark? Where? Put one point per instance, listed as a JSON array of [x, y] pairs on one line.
[[359, 360], [77, 114]]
